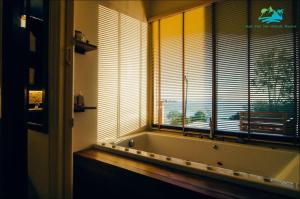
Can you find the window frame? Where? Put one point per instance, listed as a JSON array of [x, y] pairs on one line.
[[293, 139]]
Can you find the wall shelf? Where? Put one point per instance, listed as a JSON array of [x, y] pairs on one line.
[[83, 47]]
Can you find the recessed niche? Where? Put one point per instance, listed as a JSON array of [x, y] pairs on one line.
[[32, 42]]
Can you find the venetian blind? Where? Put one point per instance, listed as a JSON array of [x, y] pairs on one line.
[[273, 69], [256, 76], [182, 87], [122, 74], [171, 70], [198, 67], [257, 69], [231, 61], [167, 71]]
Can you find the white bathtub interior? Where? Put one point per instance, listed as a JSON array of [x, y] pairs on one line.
[[281, 164], [263, 167]]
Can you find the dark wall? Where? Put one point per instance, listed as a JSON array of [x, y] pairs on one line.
[[13, 141]]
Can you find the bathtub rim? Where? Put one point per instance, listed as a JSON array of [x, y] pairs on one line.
[[180, 135], [113, 147]]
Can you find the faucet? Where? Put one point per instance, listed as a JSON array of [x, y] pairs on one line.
[[211, 132]]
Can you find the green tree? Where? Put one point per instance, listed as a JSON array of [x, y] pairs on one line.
[[274, 75], [287, 106], [235, 116], [175, 117], [199, 116]]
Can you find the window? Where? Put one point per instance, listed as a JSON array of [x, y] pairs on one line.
[[221, 61], [181, 49], [231, 64], [171, 70], [122, 74], [256, 81], [273, 76], [198, 70]]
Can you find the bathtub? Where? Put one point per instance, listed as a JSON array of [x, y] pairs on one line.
[[271, 169]]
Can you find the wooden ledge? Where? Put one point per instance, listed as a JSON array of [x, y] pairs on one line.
[[202, 185]]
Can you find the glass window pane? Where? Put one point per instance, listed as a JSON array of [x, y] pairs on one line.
[[232, 68], [198, 67], [272, 69], [171, 70]]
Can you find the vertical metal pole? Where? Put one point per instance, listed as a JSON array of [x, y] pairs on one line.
[[296, 100], [183, 76], [140, 75], [248, 63], [297, 13], [119, 76], [150, 77], [213, 123], [159, 81]]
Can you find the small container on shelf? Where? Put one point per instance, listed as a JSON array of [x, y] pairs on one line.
[[79, 105], [82, 45]]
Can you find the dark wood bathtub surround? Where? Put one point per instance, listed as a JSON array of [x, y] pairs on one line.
[[100, 174]]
